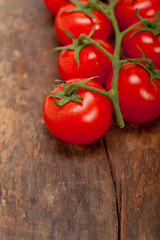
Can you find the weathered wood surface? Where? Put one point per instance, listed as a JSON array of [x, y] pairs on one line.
[[50, 190]]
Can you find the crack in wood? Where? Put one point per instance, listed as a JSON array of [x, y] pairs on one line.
[[118, 197]]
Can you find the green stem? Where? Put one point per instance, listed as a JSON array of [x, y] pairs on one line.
[[74, 85], [77, 3], [109, 13], [112, 3], [106, 10], [112, 96], [109, 55], [118, 39], [132, 27], [146, 60], [149, 67], [116, 68]]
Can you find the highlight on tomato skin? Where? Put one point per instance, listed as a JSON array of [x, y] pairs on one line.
[[78, 22], [139, 98], [78, 122], [92, 62], [125, 11]]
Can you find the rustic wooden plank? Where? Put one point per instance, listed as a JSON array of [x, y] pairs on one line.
[[48, 189], [134, 156], [52, 190]]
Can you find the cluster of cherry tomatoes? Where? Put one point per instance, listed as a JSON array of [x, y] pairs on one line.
[[86, 121]]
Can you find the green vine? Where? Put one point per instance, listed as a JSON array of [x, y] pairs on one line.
[[70, 91]]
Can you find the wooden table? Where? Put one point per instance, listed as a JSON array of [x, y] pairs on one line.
[[50, 190]]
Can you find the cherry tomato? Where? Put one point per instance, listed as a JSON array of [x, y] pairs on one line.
[[54, 5], [125, 11], [92, 62], [146, 41], [79, 122], [78, 22], [139, 100]]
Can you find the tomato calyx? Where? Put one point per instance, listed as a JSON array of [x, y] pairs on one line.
[[69, 93], [86, 8], [64, 97], [151, 26], [148, 66], [78, 43]]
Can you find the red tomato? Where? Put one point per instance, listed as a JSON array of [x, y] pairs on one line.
[[92, 62], [54, 5], [78, 123], [146, 41], [125, 11], [78, 22], [139, 101]]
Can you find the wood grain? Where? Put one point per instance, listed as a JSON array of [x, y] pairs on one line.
[[50, 190], [134, 155]]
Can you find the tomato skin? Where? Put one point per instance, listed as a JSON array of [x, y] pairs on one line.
[[146, 41], [139, 101], [79, 123], [77, 23], [125, 11], [54, 5], [92, 62]]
